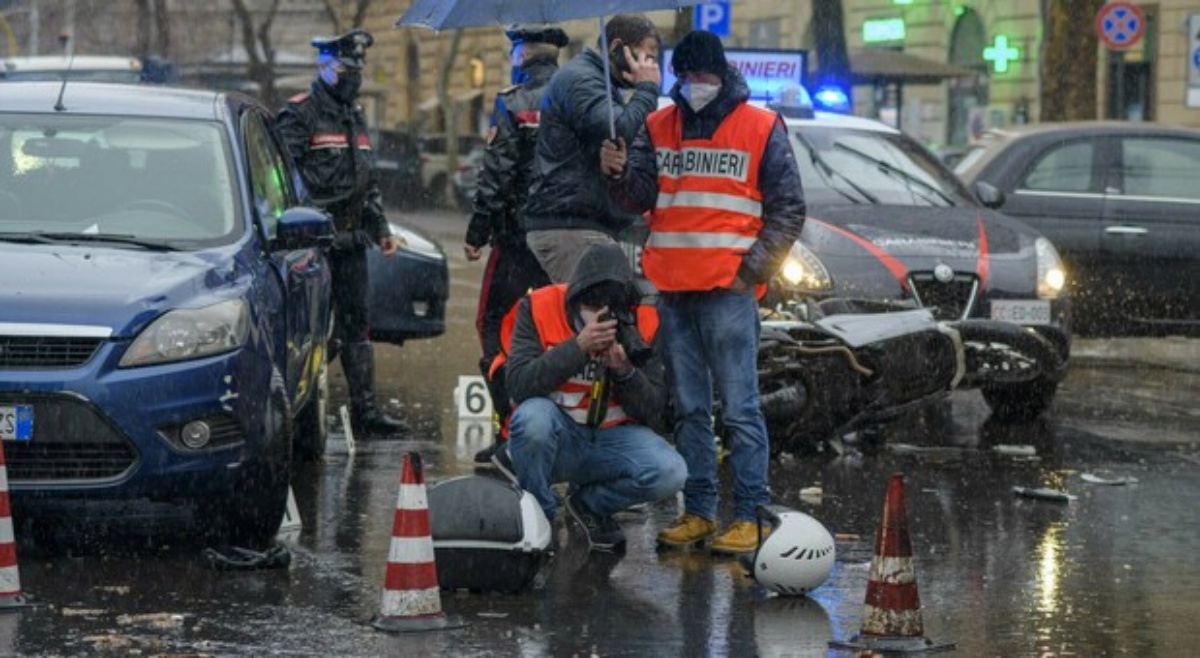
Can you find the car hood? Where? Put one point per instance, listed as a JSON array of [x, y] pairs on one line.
[[118, 289], [919, 237]]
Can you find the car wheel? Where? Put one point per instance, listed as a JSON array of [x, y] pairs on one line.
[[249, 513], [312, 423], [1021, 401]]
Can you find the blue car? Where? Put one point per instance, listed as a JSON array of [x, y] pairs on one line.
[[165, 307]]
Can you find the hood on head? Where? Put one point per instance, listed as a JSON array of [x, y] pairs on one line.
[[600, 264]]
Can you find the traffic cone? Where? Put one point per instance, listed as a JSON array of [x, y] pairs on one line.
[[411, 599], [892, 611], [10, 576]]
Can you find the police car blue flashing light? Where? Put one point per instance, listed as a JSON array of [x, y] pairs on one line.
[[831, 99]]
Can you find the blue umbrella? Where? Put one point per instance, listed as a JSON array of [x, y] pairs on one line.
[[451, 14]]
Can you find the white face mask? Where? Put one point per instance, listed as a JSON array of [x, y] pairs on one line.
[[699, 94]]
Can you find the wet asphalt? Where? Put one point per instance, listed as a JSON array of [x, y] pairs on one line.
[[1111, 573]]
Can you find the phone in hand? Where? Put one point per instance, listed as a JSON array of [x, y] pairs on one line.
[[619, 61]]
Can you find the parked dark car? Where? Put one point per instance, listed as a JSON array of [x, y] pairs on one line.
[[408, 289], [165, 310], [1120, 200], [398, 161], [887, 221]]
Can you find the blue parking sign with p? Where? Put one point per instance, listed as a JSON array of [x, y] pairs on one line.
[[712, 16]]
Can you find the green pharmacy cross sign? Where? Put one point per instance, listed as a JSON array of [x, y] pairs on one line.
[[1000, 54]]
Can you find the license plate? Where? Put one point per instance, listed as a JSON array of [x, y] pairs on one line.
[[1032, 311], [16, 422]]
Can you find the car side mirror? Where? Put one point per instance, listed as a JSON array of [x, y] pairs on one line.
[[989, 195], [303, 228]]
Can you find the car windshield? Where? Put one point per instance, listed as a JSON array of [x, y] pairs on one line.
[[141, 182], [843, 165]]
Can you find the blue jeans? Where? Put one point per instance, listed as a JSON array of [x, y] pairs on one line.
[[713, 337], [608, 469]]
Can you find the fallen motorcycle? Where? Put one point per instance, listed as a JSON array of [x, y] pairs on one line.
[[832, 367]]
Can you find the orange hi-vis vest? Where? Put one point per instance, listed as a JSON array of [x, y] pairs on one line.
[[709, 208], [548, 306]]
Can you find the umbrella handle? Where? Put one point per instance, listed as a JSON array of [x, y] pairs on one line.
[[612, 121]]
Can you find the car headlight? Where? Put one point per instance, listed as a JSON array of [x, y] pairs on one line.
[[802, 270], [1051, 275], [190, 334]]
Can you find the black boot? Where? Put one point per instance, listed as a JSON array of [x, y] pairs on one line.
[[358, 363]]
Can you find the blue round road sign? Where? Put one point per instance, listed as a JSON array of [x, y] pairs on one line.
[[1120, 25]]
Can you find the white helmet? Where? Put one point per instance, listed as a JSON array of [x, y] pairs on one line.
[[796, 557]]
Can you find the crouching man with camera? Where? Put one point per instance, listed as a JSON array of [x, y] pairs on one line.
[[590, 391]]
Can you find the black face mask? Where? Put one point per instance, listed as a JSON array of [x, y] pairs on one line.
[[348, 84]]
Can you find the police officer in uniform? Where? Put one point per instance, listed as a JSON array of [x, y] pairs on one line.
[[326, 134], [512, 269]]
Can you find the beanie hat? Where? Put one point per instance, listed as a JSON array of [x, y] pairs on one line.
[[699, 52]]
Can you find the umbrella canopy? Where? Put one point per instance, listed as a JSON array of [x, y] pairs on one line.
[[450, 14]]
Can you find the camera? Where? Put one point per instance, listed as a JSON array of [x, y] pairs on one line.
[[627, 332]]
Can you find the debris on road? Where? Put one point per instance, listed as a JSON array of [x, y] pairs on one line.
[[1045, 493], [812, 495], [1015, 450], [1114, 481]]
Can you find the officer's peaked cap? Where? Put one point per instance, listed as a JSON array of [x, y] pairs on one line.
[[350, 48], [534, 33]]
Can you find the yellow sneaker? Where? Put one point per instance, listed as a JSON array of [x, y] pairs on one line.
[[740, 537], [687, 530]]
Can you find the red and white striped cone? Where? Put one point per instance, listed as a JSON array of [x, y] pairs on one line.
[[892, 611], [411, 598], [10, 576]]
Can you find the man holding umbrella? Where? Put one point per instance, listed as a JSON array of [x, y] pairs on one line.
[[568, 206]]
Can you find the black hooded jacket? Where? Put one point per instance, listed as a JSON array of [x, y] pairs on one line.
[[778, 178], [535, 372], [508, 159]]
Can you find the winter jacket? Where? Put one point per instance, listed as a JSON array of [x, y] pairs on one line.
[[327, 138], [568, 190], [508, 159], [783, 208]]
